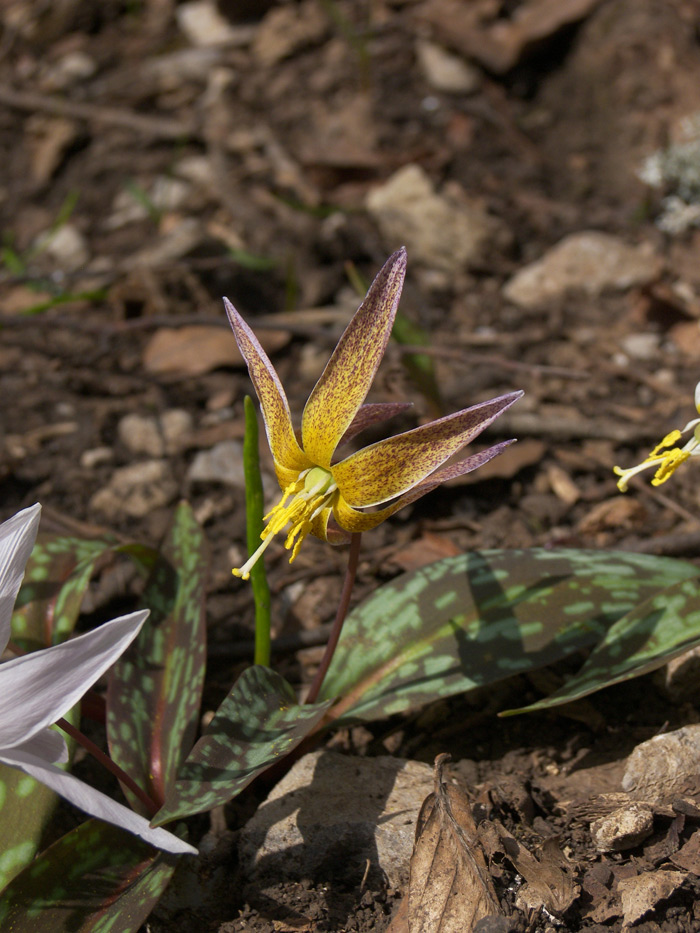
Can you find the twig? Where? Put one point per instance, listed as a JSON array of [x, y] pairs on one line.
[[157, 127]]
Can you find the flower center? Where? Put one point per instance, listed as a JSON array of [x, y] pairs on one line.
[[311, 493]]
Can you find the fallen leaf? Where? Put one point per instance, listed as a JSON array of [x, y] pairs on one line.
[[426, 550], [450, 888], [641, 894], [688, 856], [505, 466], [548, 875], [195, 350]]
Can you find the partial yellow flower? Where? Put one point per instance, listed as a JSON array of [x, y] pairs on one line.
[[316, 486], [666, 457]]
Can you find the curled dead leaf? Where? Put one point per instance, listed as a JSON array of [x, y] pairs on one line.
[[450, 889]]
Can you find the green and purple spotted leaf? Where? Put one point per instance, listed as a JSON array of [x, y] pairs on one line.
[[23, 821], [478, 618], [95, 879], [258, 723], [659, 629], [155, 688]]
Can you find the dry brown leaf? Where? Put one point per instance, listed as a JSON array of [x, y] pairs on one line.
[[501, 44], [641, 894], [425, 550], [688, 856], [505, 466], [450, 888], [195, 350], [549, 875]]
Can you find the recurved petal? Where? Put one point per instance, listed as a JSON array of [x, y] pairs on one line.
[[17, 536], [355, 521], [391, 467], [93, 802], [273, 402], [348, 375]]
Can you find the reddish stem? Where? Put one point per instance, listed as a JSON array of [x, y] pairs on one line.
[[350, 573], [107, 762]]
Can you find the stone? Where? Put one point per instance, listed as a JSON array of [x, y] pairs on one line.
[[331, 813], [203, 25], [590, 261], [664, 766], [222, 463], [288, 29], [446, 233], [176, 426], [446, 72], [141, 435], [136, 490], [66, 246], [622, 829], [680, 678]]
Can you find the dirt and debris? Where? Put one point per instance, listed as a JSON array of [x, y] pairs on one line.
[[540, 160]]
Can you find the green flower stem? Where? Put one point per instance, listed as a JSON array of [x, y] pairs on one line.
[[106, 761], [254, 524], [343, 606]]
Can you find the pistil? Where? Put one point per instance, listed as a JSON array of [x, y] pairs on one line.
[[311, 493]]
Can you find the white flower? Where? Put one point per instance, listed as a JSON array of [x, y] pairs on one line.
[[40, 687]]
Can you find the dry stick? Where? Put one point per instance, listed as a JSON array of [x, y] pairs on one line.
[[158, 127], [350, 573], [107, 762]]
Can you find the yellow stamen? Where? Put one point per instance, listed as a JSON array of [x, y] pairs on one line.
[[665, 461], [311, 493]]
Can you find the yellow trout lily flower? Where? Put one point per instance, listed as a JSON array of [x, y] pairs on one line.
[[666, 457], [316, 485]]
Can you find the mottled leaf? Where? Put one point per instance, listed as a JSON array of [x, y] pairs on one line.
[[656, 631], [258, 723], [95, 879], [56, 578], [477, 618], [22, 824], [155, 688]]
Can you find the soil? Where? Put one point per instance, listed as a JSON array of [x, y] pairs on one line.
[[168, 173]]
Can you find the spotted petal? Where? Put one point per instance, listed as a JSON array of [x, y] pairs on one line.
[[391, 467], [352, 520], [288, 456], [347, 378]]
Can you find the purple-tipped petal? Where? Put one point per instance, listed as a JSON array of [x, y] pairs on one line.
[[347, 378], [288, 456], [355, 521], [392, 467]]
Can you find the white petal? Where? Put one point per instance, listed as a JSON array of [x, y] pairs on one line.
[[17, 536], [38, 688], [93, 802], [48, 745]]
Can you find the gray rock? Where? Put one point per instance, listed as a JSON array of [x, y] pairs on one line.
[[623, 829], [141, 434], [440, 232], [589, 261], [332, 813], [136, 490], [446, 72], [664, 766], [222, 463]]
